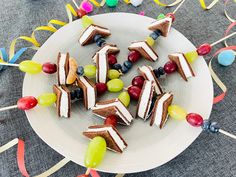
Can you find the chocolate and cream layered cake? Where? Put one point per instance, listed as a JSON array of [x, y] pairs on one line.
[[63, 103], [62, 68], [90, 32], [162, 25], [113, 107], [113, 138], [145, 100], [89, 91], [101, 60], [144, 49], [184, 68], [148, 74], [159, 113]]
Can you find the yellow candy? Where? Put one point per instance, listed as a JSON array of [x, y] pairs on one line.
[[191, 56], [150, 41], [30, 67], [176, 112], [47, 99], [86, 21]]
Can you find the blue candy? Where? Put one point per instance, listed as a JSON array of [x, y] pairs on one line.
[[226, 58], [80, 70]]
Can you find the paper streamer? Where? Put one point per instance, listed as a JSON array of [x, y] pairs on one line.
[[97, 4], [205, 7], [8, 145], [21, 158], [225, 11], [120, 175], [158, 2], [228, 30]]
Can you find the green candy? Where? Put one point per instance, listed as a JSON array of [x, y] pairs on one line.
[[90, 71], [111, 3], [95, 152], [124, 98], [47, 99], [113, 74], [161, 16], [115, 85]]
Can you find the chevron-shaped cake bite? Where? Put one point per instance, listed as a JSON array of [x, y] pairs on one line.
[[114, 140], [90, 32], [184, 68], [159, 114], [144, 49], [113, 107], [162, 25]]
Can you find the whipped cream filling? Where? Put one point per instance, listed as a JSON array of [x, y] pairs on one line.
[[102, 69], [90, 93], [159, 109], [120, 143], [162, 21], [88, 32], [184, 65], [64, 103], [128, 117], [147, 71], [145, 100], [146, 48], [62, 72], [104, 50]]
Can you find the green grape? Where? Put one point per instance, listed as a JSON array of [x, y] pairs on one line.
[[115, 85], [124, 98], [86, 21], [90, 71], [95, 152], [47, 99], [113, 74], [30, 67]]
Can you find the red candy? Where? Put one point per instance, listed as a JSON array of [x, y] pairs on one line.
[[112, 59], [194, 119], [204, 49], [171, 15], [111, 120], [134, 56], [170, 67], [101, 88], [134, 92], [81, 13], [26, 103], [49, 68], [138, 81]]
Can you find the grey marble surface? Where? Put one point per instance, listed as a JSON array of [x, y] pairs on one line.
[[210, 155]]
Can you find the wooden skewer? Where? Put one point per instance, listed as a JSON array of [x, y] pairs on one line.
[[87, 171], [222, 39], [177, 8], [7, 108], [227, 134], [76, 5], [9, 64]]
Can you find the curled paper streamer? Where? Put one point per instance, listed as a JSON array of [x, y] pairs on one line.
[[227, 32], [21, 158], [8, 145], [158, 2], [205, 7], [225, 11], [97, 4]]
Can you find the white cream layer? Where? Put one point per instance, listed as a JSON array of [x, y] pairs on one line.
[[146, 48], [159, 109], [145, 100], [62, 72], [104, 50], [184, 65], [64, 103], [88, 32], [101, 72], [147, 71], [128, 117], [162, 21], [90, 93], [120, 143]]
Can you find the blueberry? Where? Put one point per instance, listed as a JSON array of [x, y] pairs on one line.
[[128, 64], [72, 95], [117, 66], [80, 70], [156, 72], [79, 93], [101, 42], [206, 125], [154, 36], [157, 32], [97, 37], [161, 71], [124, 69], [214, 128]]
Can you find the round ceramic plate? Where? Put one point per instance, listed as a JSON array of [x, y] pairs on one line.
[[148, 147]]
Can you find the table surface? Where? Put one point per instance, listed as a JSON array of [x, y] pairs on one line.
[[210, 155]]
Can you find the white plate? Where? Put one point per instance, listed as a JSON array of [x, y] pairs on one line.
[[148, 147]]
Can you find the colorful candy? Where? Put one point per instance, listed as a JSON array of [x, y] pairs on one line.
[[204, 49], [95, 152], [111, 3], [194, 119], [49, 68], [191, 56], [161, 16], [115, 85], [111, 120], [226, 58], [90, 71], [136, 3], [30, 67], [101, 88], [87, 6], [134, 92], [113, 74], [138, 81], [124, 98], [47, 99], [86, 21], [177, 112], [27, 102], [170, 67]]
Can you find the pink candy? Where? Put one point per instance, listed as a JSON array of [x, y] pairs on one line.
[[87, 6]]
